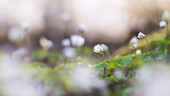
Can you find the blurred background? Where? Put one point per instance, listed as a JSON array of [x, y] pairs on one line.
[[110, 21], [46, 47]]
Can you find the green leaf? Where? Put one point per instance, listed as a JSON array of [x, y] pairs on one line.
[[35, 64], [120, 66], [111, 66], [40, 54]]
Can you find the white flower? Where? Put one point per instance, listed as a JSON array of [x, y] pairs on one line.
[[162, 24], [45, 43], [139, 52], [141, 35], [21, 52], [25, 26], [82, 78], [98, 48], [82, 27], [50, 43], [77, 40], [16, 35], [166, 15], [65, 16], [105, 47], [134, 40], [135, 45], [69, 52], [65, 42]]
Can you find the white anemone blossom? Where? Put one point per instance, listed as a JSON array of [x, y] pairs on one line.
[[134, 40], [77, 40], [105, 47], [25, 26], [19, 53], [139, 52], [16, 35], [166, 15], [82, 27], [45, 43], [135, 45], [65, 16], [98, 49], [162, 24], [141, 35], [65, 42], [69, 52]]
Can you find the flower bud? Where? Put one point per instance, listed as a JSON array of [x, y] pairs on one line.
[[65, 16], [77, 40], [82, 27], [65, 42], [45, 43], [166, 15], [69, 52], [162, 24], [16, 35], [141, 35], [134, 40], [98, 49], [105, 47], [139, 52]]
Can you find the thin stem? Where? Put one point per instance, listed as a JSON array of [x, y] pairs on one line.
[[103, 56], [149, 48], [167, 33], [79, 51], [104, 73], [108, 54], [90, 54], [168, 45]]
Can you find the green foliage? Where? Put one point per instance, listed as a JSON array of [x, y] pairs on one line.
[[40, 54], [51, 68]]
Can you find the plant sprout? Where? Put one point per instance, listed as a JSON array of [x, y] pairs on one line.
[[99, 49], [141, 35]]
